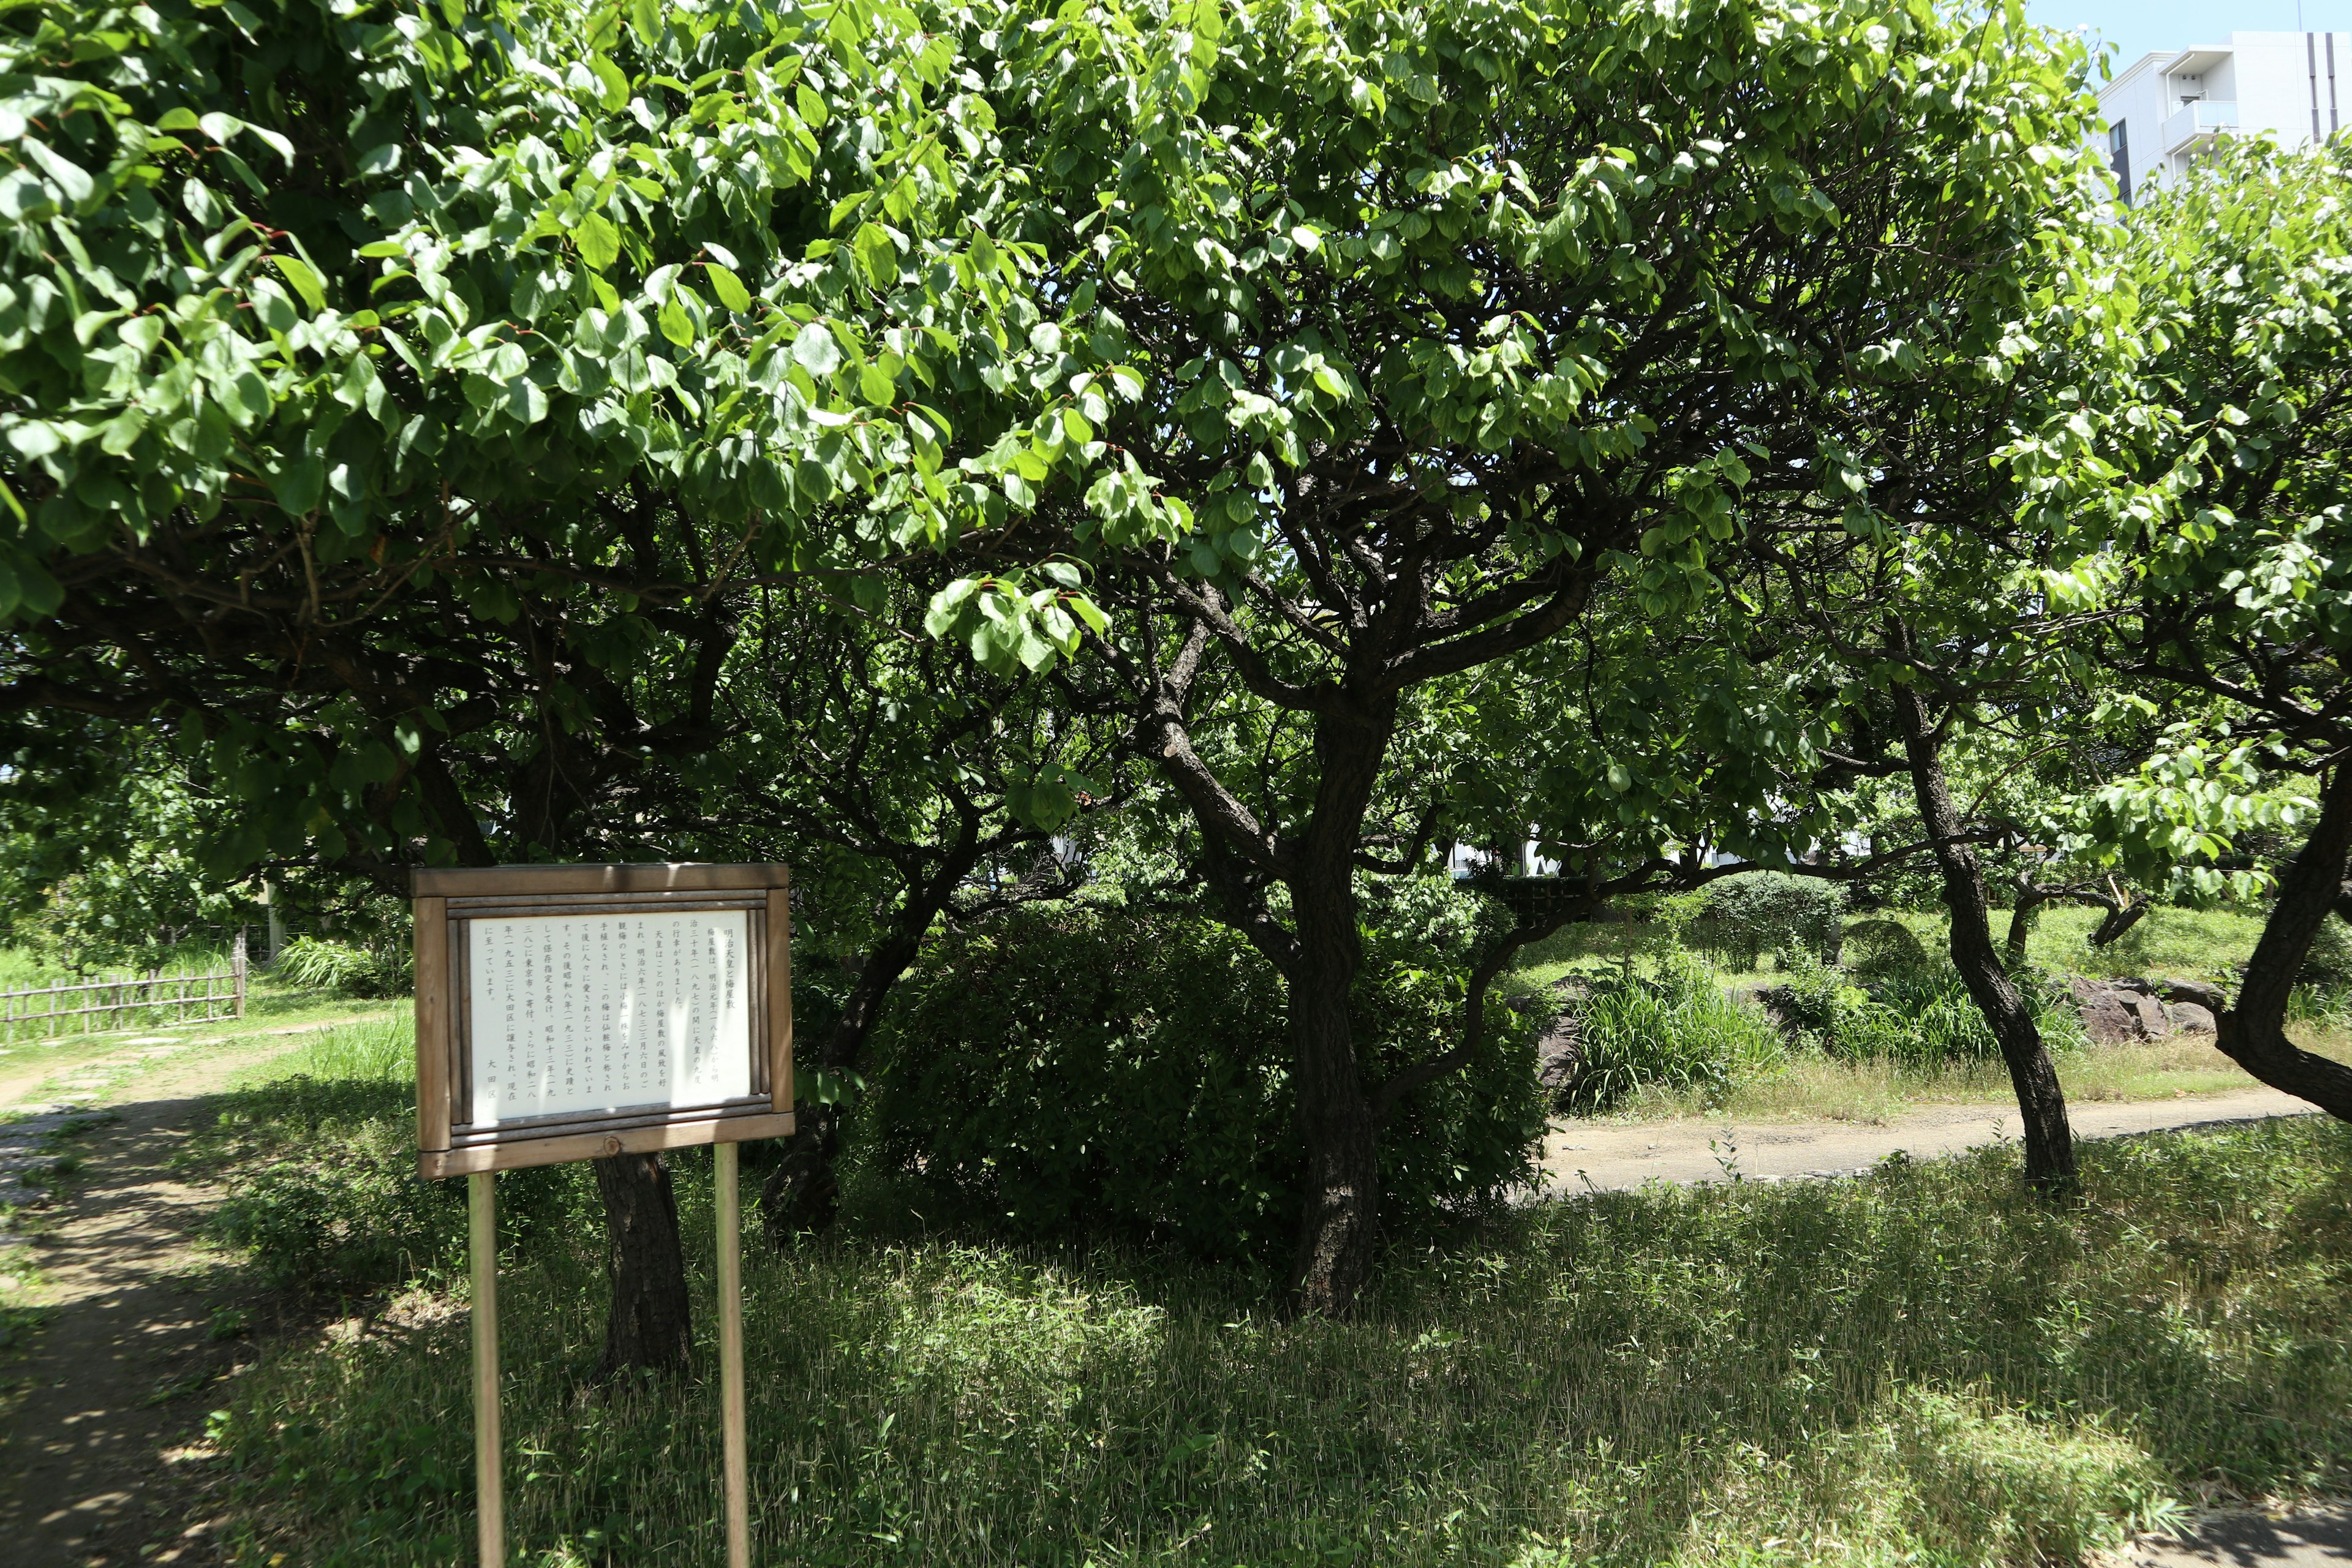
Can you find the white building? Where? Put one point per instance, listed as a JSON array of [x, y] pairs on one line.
[[2165, 110]]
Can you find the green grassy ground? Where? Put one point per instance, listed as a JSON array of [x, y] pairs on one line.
[[2176, 944], [1922, 1366], [1815, 1089], [2182, 943]]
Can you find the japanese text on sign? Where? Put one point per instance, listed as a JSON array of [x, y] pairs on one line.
[[591, 1013]]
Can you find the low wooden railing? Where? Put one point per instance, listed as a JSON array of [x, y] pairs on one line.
[[103, 1007]]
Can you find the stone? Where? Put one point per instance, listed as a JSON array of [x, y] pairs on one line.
[[2189, 1017], [2105, 1017], [1560, 1057], [2149, 1012]]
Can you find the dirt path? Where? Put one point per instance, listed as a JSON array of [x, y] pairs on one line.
[[1609, 1156], [95, 1467], [2314, 1537]]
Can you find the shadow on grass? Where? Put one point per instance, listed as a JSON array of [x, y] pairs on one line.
[[1922, 1362]]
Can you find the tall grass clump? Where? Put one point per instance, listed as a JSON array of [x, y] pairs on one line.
[[1676, 1033], [343, 969]]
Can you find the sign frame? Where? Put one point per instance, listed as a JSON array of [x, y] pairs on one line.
[[447, 899]]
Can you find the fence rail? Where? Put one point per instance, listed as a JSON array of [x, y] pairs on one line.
[[42, 1012]]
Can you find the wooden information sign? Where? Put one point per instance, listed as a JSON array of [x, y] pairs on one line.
[[569, 1012]]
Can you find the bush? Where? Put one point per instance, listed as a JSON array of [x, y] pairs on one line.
[[315, 964], [1921, 1015], [1099, 1070], [1678, 1033], [1757, 912], [1842, 1020], [1882, 947]]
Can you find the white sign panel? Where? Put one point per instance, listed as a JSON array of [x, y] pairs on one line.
[[579, 1013]]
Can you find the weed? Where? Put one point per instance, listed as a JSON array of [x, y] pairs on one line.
[[1678, 1033]]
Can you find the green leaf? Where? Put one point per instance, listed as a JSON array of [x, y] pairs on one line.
[[599, 241], [300, 483], [878, 389], [646, 21], [306, 282], [727, 287], [676, 324], [70, 179], [609, 76], [815, 351]]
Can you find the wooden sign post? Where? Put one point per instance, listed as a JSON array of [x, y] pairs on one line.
[[569, 1012]]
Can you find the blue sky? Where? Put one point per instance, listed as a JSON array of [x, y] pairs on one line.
[[2137, 27]]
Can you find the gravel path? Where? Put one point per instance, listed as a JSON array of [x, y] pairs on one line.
[[1610, 1157]]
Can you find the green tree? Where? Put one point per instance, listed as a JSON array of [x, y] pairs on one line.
[[396, 407], [2195, 481], [906, 785], [1427, 321]]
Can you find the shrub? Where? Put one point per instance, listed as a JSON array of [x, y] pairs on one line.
[[1758, 912], [1678, 1032], [1882, 947], [1921, 1013], [1102, 1071], [1842, 1020], [316, 963]]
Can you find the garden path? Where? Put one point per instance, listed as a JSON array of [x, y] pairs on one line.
[[2317, 1537], [104, 1409], [1613, 1156]]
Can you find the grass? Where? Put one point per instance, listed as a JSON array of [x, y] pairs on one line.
[[1808, 1087], [1923, 1366], [108, 1067]]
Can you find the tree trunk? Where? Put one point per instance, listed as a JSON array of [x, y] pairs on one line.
[[2041, 1103], [1338, 1222], [1339, 1212], [2119, 918], [648, 1329], [802, 1195], [2253, 1032], [2020, 927]]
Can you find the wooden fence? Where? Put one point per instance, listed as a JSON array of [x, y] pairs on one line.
[[102, 1006]]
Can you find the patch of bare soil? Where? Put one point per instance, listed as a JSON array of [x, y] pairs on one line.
[[1616, 1155], [103, 1458]]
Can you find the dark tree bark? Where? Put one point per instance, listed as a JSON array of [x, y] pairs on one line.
[[2119, 918], [2253, 1032], [801, 1193], [2029, 900], [649, 1328], [1339, 1226], [2040, 1102]]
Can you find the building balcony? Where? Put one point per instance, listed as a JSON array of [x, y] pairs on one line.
[[2197, 125]]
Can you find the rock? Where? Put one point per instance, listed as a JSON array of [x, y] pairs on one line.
[[1560, 1057], [2105, 1017], [2206, 996], [2149, 1012], [2190, 1017]]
